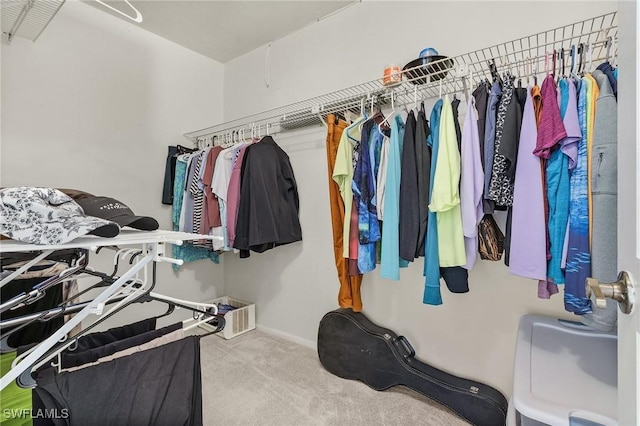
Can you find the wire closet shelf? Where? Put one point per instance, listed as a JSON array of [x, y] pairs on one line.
[[594, 40]]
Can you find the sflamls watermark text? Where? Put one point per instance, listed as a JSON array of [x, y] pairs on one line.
[[27, 413]]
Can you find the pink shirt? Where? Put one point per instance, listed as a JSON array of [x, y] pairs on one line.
[[551, 129], [528, 255], [233, 196], [212, 218]]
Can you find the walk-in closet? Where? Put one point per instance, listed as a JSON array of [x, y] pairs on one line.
[[319, 213]]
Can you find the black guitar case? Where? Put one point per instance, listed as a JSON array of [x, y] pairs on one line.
[[352, 347]]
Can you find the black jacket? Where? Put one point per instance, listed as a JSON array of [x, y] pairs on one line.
[[268, 207]]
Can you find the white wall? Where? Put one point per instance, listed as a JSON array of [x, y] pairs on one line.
[[471, 335], [93, 105]]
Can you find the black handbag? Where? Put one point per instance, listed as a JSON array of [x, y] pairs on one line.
[[490, 239]]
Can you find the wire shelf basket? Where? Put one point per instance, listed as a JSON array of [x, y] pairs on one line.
[[590, 41]]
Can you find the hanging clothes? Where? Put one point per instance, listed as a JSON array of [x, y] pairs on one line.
[[170, 171], [391, 262], [269, 203], [550, 132], [343, 176], [611, 74], [604, 173], [180, 388], [423, 163], [592, 95], [363, 190], [376, 140], [508, 121], [471, 183], [186, 215], [212, 218], [349, 292], [528, 251], [38, 330], [409, 195], [197, 193], [186, 252], [219, 187], [489, 142], [455, 104], [233, 194], [432, 295], [169, 175], [445, 200], [511, 132], [481, 96], [578, 265], [354, 136], [381, 177]]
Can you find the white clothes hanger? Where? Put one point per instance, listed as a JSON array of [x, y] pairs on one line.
[[391, 114], [137, 18]]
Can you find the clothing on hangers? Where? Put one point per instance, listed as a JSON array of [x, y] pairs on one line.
[[76, 358], [445, 199], [233, 193], [409, 209], [481, 96], [381, 175], [528, 248], [77, 393], [578, 260], [343, 176], [423, 164], [391, 262], [489, 142], [186, 252], [170, 172], [604, 193], [431, 271], [471, 183], [349, 292], [364, 196], [269, 203]]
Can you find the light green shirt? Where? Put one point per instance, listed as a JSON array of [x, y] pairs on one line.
[[445, 199], [343, 176]]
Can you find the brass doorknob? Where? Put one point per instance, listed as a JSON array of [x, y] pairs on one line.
[[621, 291]]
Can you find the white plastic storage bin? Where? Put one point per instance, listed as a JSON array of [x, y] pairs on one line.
[[238, 321], [565, 374]]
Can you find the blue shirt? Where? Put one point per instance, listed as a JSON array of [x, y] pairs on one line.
[[432, 294], [390, 263], [364, 192], [186, 251]]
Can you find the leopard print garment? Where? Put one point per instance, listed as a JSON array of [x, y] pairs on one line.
[[500, 185]]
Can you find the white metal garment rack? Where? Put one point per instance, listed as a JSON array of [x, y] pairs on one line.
[[525, 57], [153, 246]]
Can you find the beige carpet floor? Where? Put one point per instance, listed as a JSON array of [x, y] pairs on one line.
[[261, 379]]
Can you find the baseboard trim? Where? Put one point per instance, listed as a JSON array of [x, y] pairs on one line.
[[287, 336]]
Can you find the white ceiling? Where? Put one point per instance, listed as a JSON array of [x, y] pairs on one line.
[[223, 30]]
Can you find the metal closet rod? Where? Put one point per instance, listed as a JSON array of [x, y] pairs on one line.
[[527, 53]]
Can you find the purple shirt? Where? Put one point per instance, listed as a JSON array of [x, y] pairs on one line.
[[569, 145], [471, 183], [528, 255]]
